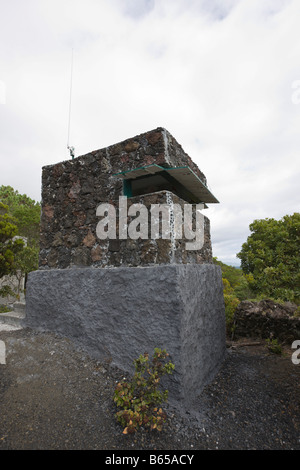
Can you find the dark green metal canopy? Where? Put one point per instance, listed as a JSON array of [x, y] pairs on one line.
[[181, 178]]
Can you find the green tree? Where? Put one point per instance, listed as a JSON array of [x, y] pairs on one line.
[[24, 214], [233, 290], [25, 261], [270, 258], [25, 211], [236, 279], [10, 246]]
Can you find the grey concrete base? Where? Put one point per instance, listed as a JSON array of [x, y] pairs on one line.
[[119, 313]]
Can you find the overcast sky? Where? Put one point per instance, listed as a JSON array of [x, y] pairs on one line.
[[222, 76]]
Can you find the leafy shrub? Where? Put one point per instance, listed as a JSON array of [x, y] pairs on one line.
[[297, 312], [236, 279], [270, 256], [231, 303], [273, 346], [4, 309], [140, 398]]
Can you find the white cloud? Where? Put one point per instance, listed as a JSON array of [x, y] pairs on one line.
[[218, 75]]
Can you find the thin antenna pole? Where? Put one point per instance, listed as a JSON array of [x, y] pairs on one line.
[[70, 104]]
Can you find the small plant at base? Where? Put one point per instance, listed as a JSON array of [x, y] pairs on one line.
[[140, 398], [4, 309], [273, 346]]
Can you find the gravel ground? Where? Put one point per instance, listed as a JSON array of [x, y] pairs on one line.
[[53, 396]]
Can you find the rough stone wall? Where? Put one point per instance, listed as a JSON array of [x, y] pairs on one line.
[[72, 190], [267, 319], [79, 246]]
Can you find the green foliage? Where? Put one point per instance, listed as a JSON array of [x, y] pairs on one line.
[[140, 399], [297, 312], [5, 291], [26, 260], [9, 245], [231, 303], [25, 211], [235, 289], [236, 279], [20, 216], [4, 309], [271, 258], [273, 346]]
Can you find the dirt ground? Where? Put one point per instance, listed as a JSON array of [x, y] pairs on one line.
[[53, 396]]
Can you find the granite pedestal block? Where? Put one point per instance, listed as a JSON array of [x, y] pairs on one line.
[[119, 313]]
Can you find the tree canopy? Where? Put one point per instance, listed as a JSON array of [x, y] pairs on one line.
[[25, 211], [270, 257], [235, 289], [19, 217], [10, 246]]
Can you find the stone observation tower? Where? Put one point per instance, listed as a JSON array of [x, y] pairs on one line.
[[142, 284]]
